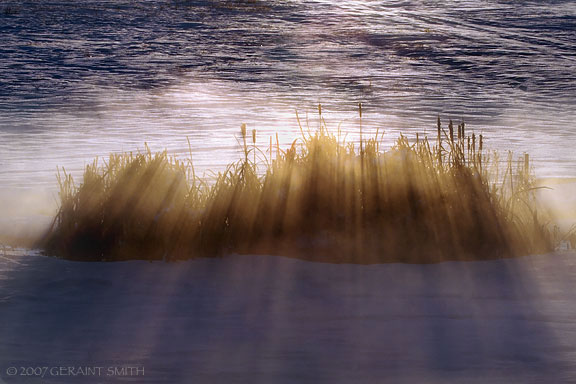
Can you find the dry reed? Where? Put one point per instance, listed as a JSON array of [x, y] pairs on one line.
[[322, 199]]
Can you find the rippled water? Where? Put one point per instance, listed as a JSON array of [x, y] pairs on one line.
[[80, 79]]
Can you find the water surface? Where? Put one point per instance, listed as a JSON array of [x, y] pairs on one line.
[[83, 79]]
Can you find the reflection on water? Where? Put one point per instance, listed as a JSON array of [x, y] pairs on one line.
[[79, 80]]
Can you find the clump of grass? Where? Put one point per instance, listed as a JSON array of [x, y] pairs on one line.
[[321, 198]]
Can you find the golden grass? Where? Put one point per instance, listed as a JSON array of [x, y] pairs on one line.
[[322, 198]]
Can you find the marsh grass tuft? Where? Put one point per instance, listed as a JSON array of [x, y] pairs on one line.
[[321, 198]]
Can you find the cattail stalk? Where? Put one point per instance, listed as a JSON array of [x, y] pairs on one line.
[[439, 127], [360, 114], [243, 133], [254, 144]]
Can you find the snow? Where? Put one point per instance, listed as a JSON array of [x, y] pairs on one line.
[[269, 319]]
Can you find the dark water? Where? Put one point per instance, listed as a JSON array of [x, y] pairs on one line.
[[83, 78]]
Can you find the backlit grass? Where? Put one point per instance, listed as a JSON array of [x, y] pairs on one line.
[[322, 198]]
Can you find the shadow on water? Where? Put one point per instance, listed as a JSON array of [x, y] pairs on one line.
[[258, 319]]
